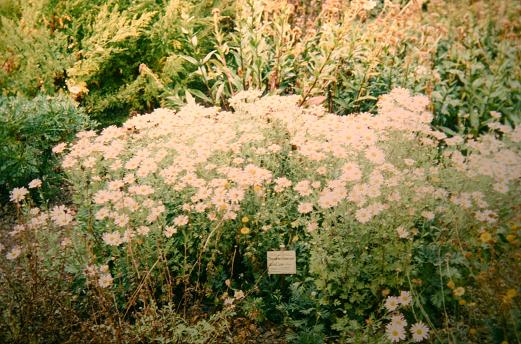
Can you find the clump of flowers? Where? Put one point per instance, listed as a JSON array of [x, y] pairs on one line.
[[212, 160], [99, 275], [396, 329], [168, 198]]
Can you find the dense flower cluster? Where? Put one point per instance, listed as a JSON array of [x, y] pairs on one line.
[[396, 328], [212, 160], [163, 181]]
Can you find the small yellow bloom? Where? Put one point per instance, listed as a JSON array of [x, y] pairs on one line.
[[245, 230], [245, 219], [511, 293], [511, 238], [417, 281], [473, 331], [451, 285], [459, 291], [462, 302], [485, 237]]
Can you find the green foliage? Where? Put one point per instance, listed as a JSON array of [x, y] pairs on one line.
[[42, 300], [33, 56], [119, 57], [10, 8], [28, 131], [477, 75], [103, 53], [37, 303], [166, 325]]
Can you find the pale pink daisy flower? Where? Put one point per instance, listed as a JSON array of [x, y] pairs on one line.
[[351, 172], [61, 215], [14, 253], [66, 242], [405, 298], [200, 207], [274, 148], [409, 162], [127, 235], [169, 231], [419, 332], [121, 220], [429, 215], [60, 147], [398, 320], [105, 281], [143, 230], [18, 194], [322, 170], [303, 188], [375, 155], [283, 182], [486, 216], [239, 294], [235, 195], [369, 4], [112, 239], [392, 303], [402, 232], [394, 332], [495, 114], [35, 183], [237, 161], [316, 184], [305, 208], [181, 220], [363, 215], [312, 226], [501, 187], [102, 214]]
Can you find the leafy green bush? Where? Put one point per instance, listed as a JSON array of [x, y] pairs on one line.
[[477, 69], [29, 129], [107, 55]]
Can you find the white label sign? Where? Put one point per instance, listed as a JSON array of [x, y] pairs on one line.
[[282, 263]]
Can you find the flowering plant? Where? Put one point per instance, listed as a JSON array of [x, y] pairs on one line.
[[183, 206]]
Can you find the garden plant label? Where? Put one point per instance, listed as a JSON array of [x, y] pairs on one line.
[[282, 263]]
